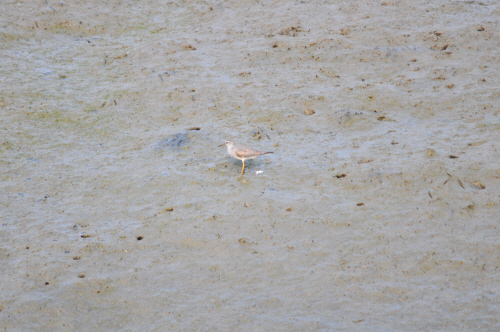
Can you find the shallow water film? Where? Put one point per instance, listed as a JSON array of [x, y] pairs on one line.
[[378, 211]]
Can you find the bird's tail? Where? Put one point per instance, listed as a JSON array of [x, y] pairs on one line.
[[268, 152]]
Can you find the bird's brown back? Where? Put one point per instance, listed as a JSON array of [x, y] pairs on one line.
[[244, 152]]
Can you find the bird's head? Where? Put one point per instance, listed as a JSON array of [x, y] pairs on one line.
[[228, 143]]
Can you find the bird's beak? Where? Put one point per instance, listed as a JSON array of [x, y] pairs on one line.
[[221, 144]]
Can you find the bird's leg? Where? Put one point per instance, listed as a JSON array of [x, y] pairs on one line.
[[242, 168]]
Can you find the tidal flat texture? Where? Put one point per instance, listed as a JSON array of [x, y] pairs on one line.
[[378, 211]]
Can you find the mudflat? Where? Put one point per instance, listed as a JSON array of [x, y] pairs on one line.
[[378, 211]]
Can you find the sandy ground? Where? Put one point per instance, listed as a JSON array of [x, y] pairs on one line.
[[378, 211]]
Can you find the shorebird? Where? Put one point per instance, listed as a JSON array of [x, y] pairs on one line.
[[242, 152]]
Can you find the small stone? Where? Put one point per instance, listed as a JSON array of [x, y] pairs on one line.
[[309, 111], [477, 185], [430, 152], [81, 275], [290, 209], [246, 205]]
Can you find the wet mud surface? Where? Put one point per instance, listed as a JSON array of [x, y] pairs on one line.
[[377, 211]]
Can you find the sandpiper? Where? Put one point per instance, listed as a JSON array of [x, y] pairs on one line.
[[242, 152]]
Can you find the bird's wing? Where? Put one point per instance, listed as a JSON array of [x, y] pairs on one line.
[[244, 152]]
